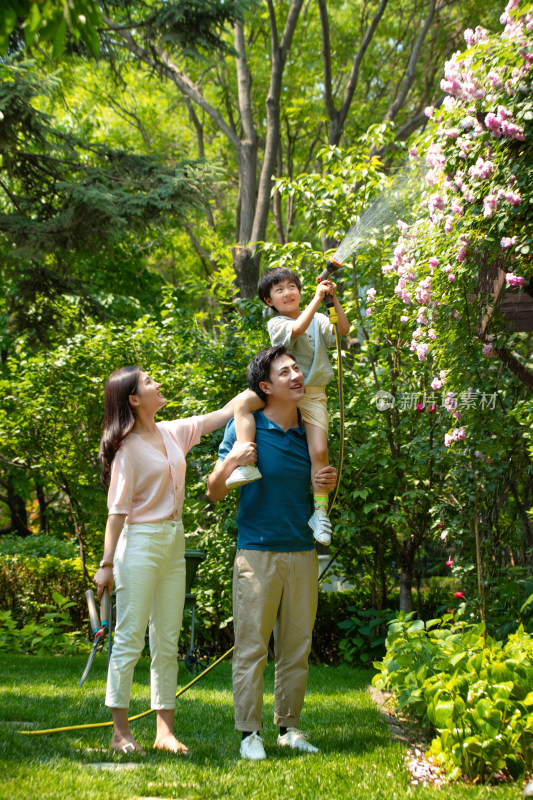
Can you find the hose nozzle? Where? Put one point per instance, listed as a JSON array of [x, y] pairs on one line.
[[331, 266]]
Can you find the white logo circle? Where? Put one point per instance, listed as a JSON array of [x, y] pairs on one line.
[[384, 400]]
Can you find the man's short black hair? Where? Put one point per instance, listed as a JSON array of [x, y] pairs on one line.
[[270, 277], [259, 367]]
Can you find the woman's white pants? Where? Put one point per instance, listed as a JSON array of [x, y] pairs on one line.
[[149, 573]]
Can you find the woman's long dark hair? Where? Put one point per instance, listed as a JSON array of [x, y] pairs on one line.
[[119, 417]]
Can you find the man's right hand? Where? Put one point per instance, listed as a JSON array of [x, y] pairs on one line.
[[240, 454], [326, 478], [243, 453]]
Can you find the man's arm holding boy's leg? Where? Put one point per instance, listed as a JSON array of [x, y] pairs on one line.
[[245, 404], [240, 453]]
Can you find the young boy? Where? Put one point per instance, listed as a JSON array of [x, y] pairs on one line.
[[307, 334]]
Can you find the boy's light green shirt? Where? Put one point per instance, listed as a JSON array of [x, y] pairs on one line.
[[310, 349]]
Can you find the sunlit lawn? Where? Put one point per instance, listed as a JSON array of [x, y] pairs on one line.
[[357, 758]]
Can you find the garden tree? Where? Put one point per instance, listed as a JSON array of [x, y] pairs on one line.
[[73, 216], [192, 25], [68, 205], [51, 417], [476, 200], [475, 209], [256, 104], [50, 21]]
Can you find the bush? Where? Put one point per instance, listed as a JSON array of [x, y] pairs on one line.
[[47, 637], [332, 609], [28, 584], [475, 695], [365, 634]]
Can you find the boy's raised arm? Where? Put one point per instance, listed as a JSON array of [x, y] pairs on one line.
[[304, 320]]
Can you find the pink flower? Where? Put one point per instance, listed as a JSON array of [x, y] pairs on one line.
[[433, 262], [490, 204], [422, 351], [508, 241], [441, 525], [513, 198], [404, 319], [449, 563], [428, 111], [479, 454], [413, 152], [451, 277], [432, 409], [420, 406], [436, 384], [456, 207], [369, 312], [514, 280], [447, 439], [459, 595], [487, 349]]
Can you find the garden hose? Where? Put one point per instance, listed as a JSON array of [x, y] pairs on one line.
[[331, 266], [130, 719], [341, 419]]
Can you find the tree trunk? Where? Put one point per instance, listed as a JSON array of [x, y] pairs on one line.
[[43, 507], [247, 270], [17, 510], [406, 581]]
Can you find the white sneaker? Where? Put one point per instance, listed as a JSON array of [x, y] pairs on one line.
[[320, 525], [252, 748], [248, 473], [297, 740]]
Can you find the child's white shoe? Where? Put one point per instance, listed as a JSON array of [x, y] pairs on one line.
[[248, 473], [320, 525]]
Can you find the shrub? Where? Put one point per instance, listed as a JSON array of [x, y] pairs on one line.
[[475, 695], [365, 632], [46, 637], [28, 584]]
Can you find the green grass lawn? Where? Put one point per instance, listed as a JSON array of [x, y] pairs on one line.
[[356, 760]]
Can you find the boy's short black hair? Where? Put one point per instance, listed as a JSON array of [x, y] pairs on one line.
[[270, 277], [259, 367]]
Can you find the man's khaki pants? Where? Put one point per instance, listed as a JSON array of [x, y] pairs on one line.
[[272, 591]]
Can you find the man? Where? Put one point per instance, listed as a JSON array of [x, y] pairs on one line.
[[275, 579]]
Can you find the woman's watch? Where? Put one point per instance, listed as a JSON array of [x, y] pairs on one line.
[[105, 564]]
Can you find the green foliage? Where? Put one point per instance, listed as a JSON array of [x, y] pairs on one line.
[[364, 634], [48, 636], [38, 546], [474, 691], [49, 21], [29, 583]]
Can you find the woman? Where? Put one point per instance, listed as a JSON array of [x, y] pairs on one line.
[[144, 547]]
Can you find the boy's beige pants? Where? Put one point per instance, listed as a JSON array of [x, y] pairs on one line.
[[272, 591]]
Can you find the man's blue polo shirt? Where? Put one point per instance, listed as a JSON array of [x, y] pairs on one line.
[[273, 511]]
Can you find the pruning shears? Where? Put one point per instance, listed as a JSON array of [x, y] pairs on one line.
[[99, 628]]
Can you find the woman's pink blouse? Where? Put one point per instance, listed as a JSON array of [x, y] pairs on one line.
[[145, 484]]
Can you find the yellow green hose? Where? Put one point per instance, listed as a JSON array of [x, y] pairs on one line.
[[130, 719]]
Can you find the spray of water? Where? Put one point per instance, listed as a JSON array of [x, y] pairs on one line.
[[390, 206]]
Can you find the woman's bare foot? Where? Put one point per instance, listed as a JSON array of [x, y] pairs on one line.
[[170, 743], [121, 744]]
